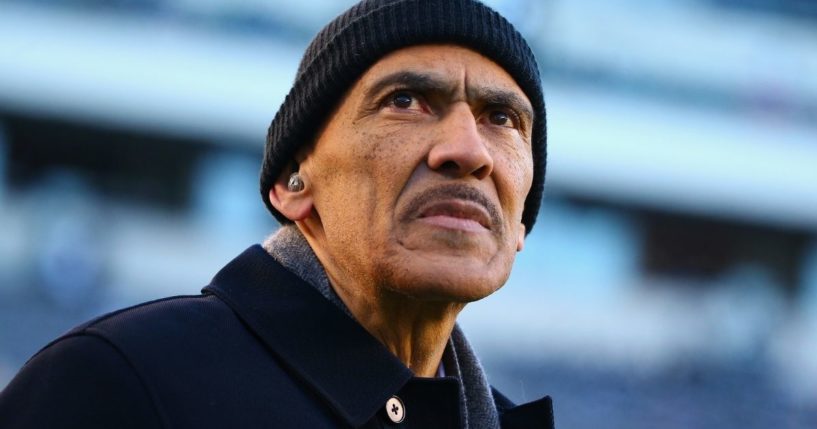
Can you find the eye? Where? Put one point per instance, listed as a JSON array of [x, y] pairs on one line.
[[503, 118], [498, 117], [405, 101], [402, 100]]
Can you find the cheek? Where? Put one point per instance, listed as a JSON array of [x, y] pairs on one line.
[[390, 155], [362, 172], [516, 178]]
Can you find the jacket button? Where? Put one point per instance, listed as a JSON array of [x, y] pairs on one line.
[[395, 409]]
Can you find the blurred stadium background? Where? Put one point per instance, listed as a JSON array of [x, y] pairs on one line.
[[671, 280]]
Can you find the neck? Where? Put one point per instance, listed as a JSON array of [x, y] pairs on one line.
[[416, 331]]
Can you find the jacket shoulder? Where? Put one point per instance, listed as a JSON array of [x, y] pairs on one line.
[[82, 381], [94, 375], [177, 310]]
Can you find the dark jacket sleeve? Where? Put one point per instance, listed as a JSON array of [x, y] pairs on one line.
[[80, 381]]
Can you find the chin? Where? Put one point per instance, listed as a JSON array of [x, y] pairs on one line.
[[445, 280]]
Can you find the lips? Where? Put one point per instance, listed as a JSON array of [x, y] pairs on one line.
[[455, 206], [457, 214]]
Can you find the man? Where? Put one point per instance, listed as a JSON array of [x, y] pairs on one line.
[[406, 166]]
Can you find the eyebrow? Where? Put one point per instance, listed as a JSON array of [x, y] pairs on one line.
[[422, 82], [502, 97], [425, 82]]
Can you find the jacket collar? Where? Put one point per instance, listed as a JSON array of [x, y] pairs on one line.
[[314, 339]]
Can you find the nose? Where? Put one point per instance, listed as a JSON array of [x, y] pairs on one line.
[[460, 149]]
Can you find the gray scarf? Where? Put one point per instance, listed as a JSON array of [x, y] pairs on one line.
[[289, 247]]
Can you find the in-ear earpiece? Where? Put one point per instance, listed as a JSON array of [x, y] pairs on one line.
[[295, 183]]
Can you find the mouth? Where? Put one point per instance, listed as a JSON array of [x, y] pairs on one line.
[[456, 207], [457, 214]]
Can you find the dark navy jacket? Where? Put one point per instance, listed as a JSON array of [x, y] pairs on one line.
[[258, 349]]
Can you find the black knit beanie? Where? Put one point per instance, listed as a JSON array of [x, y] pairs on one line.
[[371, 29]]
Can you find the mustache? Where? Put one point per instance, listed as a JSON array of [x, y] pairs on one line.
[[457, 191]]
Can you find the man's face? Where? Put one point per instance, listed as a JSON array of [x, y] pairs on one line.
[[420, 176]]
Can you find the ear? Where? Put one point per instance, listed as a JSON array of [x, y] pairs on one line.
[[520, 241], [294, 205]]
